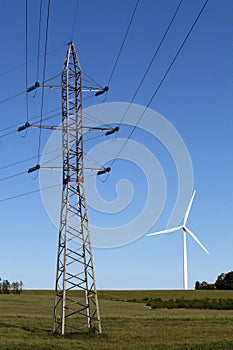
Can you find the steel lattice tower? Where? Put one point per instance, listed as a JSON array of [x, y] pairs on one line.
[[76, 303]]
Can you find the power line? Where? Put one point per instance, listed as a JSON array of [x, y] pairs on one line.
[[93, 138], [27, 159], [13, 96], [26, 54], [93, 160], [48, 118], [44, 72], [11, 176], [123, 42], [28, 193], [24, 91], [33, 118], [51, 160], [161, 81], [87, 115], [32, 192], [8, 133], [152, 60], [75, 18], [91, 80], [94, 119], [46, 153], [91, 118], [32, 60], [51, 78], [60, 155], [14, 131], [38, 43]]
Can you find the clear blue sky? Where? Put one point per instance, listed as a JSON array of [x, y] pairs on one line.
[[196, 98]]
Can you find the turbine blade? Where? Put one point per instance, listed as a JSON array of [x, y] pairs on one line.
[[189, 207], [169, 230], [196, 239]]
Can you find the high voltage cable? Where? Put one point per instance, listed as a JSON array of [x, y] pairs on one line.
[[26, 54], [33, 118], [35, 157], [46, 153], [27, 159], [11, 176], [32, 60], [48, 118], [123, 42], [152, 60], [8, 133], [24, 91], [45, 54], [32, 192], [28, 119], [92, 80], [85, 154], [88, 116], [49, 152], [94, 119], [42, 102], [93, 138], [28, 193], [44, 72], [44, 119], [91, 118], [93, 160], [38, 43], [51, 78], [51, 160], [75, 18], [13, 96], [161, 81], [43, 82]]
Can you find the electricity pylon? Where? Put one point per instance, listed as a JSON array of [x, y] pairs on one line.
[[76, 304]]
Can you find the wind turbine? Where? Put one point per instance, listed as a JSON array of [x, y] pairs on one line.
[[185, 231]]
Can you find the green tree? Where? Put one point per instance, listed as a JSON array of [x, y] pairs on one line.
[[15, 287], [197, 285], [6, 286], [204, 285], [225, 281], [20, 286]]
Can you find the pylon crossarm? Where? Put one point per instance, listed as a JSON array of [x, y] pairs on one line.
[[58, 127]]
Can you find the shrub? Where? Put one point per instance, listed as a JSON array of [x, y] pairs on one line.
[[214, 304]]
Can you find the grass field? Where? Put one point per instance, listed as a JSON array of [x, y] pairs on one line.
[[26, 323]]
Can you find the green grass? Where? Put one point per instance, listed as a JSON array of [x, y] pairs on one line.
[[26, 323], [166, 294]]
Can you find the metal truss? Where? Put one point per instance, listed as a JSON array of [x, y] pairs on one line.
[[76, 304]]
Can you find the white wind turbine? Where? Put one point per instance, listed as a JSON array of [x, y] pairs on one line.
[[185, 231]]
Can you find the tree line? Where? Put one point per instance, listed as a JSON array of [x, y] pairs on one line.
[[7, 287], [223, 282]]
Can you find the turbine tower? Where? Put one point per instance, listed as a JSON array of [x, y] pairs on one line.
[[76, 303], [185, 231]]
